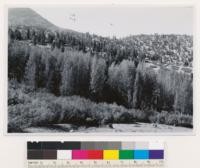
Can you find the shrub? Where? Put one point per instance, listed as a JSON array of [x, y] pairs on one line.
[[40, 109], [175, 119]]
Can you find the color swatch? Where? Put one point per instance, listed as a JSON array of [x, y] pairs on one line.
[[126, 154], [111, 154], [95, 150], [141, 154]]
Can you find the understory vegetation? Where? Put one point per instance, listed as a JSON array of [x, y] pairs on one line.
[[29, 108]]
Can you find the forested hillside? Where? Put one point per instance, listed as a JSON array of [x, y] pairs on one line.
[[161, 49]]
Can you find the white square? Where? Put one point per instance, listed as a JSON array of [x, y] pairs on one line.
[[64, 154], [156, 145], [142, 145]]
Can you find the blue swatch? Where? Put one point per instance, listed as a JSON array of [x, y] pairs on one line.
[[141, 154]]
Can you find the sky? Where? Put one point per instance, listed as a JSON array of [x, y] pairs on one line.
[[121, 21]]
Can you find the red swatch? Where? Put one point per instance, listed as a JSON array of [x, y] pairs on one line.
[[95, 154]]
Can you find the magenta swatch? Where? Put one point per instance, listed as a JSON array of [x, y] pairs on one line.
[[79, 154]]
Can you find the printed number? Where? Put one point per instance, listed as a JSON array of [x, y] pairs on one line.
[[108, 162]]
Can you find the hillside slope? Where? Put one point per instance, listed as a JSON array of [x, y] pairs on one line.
[[28, 17]]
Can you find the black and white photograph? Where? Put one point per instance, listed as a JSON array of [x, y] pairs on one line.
[[100, 69]]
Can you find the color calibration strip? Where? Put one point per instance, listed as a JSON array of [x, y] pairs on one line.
[[95, 151]]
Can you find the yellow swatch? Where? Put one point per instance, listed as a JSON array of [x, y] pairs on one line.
[[111, 154]]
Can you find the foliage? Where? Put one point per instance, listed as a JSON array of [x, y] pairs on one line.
[[98, 77], [121, 80], [145, 88], [164, 49], [18, 56], [29, 108], [76, 73]]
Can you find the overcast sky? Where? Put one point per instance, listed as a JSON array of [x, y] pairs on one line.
[[121, 21]]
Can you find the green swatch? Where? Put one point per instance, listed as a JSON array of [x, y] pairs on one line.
[[126, 154]]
